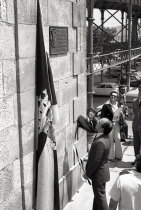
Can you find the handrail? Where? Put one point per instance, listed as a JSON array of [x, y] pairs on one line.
[[102, 62]]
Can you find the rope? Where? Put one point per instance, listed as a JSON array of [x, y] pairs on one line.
[[80, 161]]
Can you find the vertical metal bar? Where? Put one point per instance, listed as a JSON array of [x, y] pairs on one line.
[[129, 44], [126, 27], [102, 26], [122, 19], [122, 28], [134, 28], [90, 81]]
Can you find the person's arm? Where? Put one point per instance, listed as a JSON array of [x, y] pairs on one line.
[[115, 194], [113, 204], [103, 111]]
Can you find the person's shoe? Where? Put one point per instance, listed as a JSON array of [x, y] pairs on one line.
[[119, 159], [133, 163], [111, 160]]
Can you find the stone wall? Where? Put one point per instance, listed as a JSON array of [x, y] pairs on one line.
[[17, 97]]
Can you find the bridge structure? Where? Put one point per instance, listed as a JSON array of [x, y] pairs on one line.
[[121, 51]]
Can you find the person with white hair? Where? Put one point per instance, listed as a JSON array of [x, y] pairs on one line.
[[126, 191]]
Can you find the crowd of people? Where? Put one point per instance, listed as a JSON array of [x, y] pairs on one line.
[[109, 125]]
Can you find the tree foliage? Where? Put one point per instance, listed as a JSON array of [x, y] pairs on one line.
[[108, 35]]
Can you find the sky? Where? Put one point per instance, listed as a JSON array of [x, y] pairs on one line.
[[110, 23]]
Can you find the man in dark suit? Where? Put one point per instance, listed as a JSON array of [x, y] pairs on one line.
[[97, 168], [136, 125]]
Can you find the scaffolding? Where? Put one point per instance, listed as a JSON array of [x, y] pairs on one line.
[[121, 49]]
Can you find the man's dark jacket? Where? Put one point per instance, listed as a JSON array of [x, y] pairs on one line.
[[107, 111], [97, 167]]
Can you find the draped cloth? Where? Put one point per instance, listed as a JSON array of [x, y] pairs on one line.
[[47, 187]]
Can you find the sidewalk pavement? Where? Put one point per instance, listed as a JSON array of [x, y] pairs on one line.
[[83, 199]]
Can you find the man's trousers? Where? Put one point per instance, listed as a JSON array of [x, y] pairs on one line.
[[100, 201]]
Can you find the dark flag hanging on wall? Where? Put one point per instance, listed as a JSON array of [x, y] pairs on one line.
[[47, 187]]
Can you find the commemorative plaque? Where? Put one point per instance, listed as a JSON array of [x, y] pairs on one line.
[[58, 40]]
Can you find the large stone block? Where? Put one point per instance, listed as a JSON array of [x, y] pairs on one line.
[[82, 6], [9, 149], [29, 196], [83, 62], [28, 135], [78, 39], [10, 183], [67, 90], [76, 179], [71, 111], [77, 61], [71, 64], [7, 41], [81, 146], [27, 40], [27, 74], [28, 168], [83, 39], [10, 11], [76, 18], [61, 142], [70, 134], [14, 202], [64, 117], [59, 13], [65, 188], [1, 80], [65, 153], [70, 138], [26, 11], [27, 106], [60, 66], [7, 115], [9, 77], [79, 106], [69, 185], [82, 84], [61, 152], [72, 39]]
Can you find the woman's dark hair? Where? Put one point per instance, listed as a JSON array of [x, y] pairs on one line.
[[92, 110], [107, 126], [138, 163]]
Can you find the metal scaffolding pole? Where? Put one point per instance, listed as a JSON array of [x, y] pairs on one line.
[[90, 78], [102, 26], [126, 27], [122, 22], [129, 43]]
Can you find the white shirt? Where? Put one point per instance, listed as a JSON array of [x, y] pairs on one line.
[[127, 190], [114, 106]]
